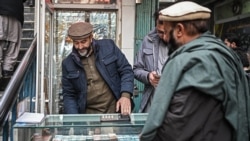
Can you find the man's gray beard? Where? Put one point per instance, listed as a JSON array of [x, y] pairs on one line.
[[83, 53]]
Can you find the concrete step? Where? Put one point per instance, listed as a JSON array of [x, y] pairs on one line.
[[29, 16], [28, 33], [26, 42], [28, 9], [28, 24]]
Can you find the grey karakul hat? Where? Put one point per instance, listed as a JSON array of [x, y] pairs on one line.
[[80, 30], [184, 11]]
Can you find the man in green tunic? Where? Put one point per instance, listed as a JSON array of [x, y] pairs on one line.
[[203, 93]]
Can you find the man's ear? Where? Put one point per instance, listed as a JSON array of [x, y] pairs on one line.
[[91, 37], [179, 29]]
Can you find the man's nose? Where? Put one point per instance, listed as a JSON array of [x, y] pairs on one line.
[[165, 37]]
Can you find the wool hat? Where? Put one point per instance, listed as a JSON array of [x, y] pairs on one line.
[[80, 30], [184, 11]]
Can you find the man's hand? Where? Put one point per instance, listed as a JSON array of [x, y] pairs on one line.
[[153, 78], [124, 104]]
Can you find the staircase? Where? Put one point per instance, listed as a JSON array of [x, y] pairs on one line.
[[28, 35]]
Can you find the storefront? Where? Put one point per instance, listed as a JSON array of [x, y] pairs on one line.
[[124, 21], [113, 19]]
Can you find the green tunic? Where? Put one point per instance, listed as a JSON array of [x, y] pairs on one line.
[[212, 68]]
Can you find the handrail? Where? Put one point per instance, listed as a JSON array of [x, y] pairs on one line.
[[11, 92]]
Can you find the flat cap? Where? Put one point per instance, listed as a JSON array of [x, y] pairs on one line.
[[80, 30], [184, 11]]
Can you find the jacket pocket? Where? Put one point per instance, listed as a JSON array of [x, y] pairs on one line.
[[148, 51], [110, 64], [73, 75], [148, 58]]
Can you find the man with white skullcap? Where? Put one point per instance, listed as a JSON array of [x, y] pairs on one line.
[[203, 93]]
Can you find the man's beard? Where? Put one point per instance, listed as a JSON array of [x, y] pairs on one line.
[[85, 53], [164, 43], [173, 45]]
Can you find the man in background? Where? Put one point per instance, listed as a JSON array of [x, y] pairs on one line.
[[203, 93], [11, 21], [149, 61], [231, 40]]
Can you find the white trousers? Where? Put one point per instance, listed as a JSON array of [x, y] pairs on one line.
[[10, 42]]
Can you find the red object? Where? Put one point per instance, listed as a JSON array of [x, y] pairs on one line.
[[48, 1]]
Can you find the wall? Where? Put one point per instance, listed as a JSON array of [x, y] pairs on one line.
[[128, 29], [223, 12]]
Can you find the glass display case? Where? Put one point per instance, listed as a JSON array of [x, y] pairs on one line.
[[83, 127]]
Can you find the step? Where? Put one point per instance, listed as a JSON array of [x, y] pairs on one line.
[[26, 42], [28, 9], [21, 53], [29, 16], [28, 24], [28, 33]]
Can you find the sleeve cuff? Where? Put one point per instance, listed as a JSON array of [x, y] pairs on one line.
[[125, 94]]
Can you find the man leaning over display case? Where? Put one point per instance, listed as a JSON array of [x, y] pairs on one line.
[[96, 76]]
